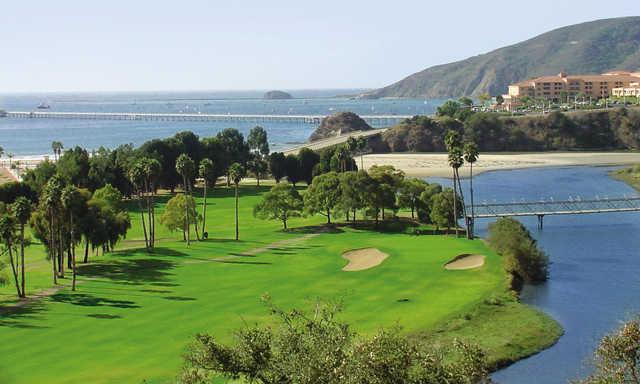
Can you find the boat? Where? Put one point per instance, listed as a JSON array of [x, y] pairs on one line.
[[3, 113], [44, 106]]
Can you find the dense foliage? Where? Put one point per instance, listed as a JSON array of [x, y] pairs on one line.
[[316, 347], [615, 129], [522, 257], [617, 358]]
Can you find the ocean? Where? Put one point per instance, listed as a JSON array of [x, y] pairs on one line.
[[26, 138]]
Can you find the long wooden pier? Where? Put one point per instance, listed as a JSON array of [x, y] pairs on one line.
[[373, 120], [577, 206]]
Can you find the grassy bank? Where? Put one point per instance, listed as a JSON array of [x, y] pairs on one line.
[[135, 312], [629, 175]]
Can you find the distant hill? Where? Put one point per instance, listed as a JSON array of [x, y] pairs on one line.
[[337, 124], [588, 48]]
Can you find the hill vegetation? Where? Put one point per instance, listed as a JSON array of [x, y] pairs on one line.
[[594, 130], [277, 95], [587, 48]]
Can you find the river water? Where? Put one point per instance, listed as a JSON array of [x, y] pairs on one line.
[[595, 270]]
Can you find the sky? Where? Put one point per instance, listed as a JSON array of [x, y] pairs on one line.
[[140, 45]]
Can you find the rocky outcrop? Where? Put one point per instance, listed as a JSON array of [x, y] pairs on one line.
[[339, 124], [277, 95]]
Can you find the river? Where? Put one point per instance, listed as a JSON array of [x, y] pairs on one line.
[[595, 271]]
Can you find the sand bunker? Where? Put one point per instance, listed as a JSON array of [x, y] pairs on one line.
[[462, 262], [365, 258]]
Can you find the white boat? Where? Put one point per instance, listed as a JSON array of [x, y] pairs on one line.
[[44, 106]]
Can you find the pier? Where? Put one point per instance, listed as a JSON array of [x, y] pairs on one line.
[[373, 120]]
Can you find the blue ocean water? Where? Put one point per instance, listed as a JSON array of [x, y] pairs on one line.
[[32, 137]]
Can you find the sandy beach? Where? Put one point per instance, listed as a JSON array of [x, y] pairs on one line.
[[435, 164]]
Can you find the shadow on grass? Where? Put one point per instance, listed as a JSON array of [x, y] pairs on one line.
[[104, 316], [179, 298], [18, 317], [86, 300], [309, 229], [136, 271], [242, 262]]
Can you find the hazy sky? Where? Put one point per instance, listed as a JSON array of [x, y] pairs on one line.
[[81, 45]]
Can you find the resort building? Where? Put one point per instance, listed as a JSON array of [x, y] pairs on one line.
[[561, 86], [632, 90]]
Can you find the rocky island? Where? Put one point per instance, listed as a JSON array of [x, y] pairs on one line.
[[338, 124], [277, 95]]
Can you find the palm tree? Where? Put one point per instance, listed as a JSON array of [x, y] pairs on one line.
[[362, 147], [22, 211], [186, 167], [152, 169], [206, 171], [68, 199], [50, 200], [57, 147], [137, 179], [471, 155], [236, 173], [452, 143], [7, 234], [10, 156]]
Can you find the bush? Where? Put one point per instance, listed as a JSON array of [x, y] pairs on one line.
[[522, 258]]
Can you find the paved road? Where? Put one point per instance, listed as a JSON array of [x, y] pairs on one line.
[[324, 143]]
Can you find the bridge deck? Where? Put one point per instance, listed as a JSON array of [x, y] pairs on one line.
[[550, 207], [374, 120]]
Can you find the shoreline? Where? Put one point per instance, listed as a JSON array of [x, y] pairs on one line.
[[435, 164]]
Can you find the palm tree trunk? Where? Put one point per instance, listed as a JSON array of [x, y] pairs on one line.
[[148, 199], [73, 254], [14, 269], [237, 231], [195, 219], [52, 247], [60, 252], [455, 205], [473, 213], [22, 272], [204, 208], [144, 225], [186, 209], [86, 250]]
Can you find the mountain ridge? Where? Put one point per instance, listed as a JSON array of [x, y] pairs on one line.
[[586, 48]]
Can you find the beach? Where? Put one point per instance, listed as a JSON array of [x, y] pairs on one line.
[[435, 164]]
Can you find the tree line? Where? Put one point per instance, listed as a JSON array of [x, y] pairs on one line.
[[614, 129]]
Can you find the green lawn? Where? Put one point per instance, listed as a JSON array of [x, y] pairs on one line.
[[134, 312]]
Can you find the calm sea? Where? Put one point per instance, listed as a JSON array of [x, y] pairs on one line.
[[33, 137]]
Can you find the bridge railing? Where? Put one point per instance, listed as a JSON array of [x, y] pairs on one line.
[[561, 207]]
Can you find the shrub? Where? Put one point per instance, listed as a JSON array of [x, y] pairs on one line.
[[522, 258]]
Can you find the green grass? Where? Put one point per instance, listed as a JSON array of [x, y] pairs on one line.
[[134, 312], [629, 175]]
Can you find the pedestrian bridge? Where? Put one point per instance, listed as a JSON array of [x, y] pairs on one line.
[[542, 208]]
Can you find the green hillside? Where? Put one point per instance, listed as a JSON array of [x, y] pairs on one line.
[[587, 48]]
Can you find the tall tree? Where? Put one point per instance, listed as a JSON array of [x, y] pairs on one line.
[[455, 160], [179, 213], [323, 195], [277, 165], [69, 199], [307, 160], [50, 202], [137, 175], [206, 171], [471, 155], [257, 141], [281, 203], [292, 168], [22, 211], [57, 147], [8, 236], [236, 173], [186, 167], [409, 194]]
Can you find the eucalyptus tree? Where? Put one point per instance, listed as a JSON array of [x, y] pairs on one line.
[[259, 146], [323, 195], [281, 203], [409, 194], [8, 236], [236, 173], [207, 172], [471, 155], [186, 167], [22, 211]]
